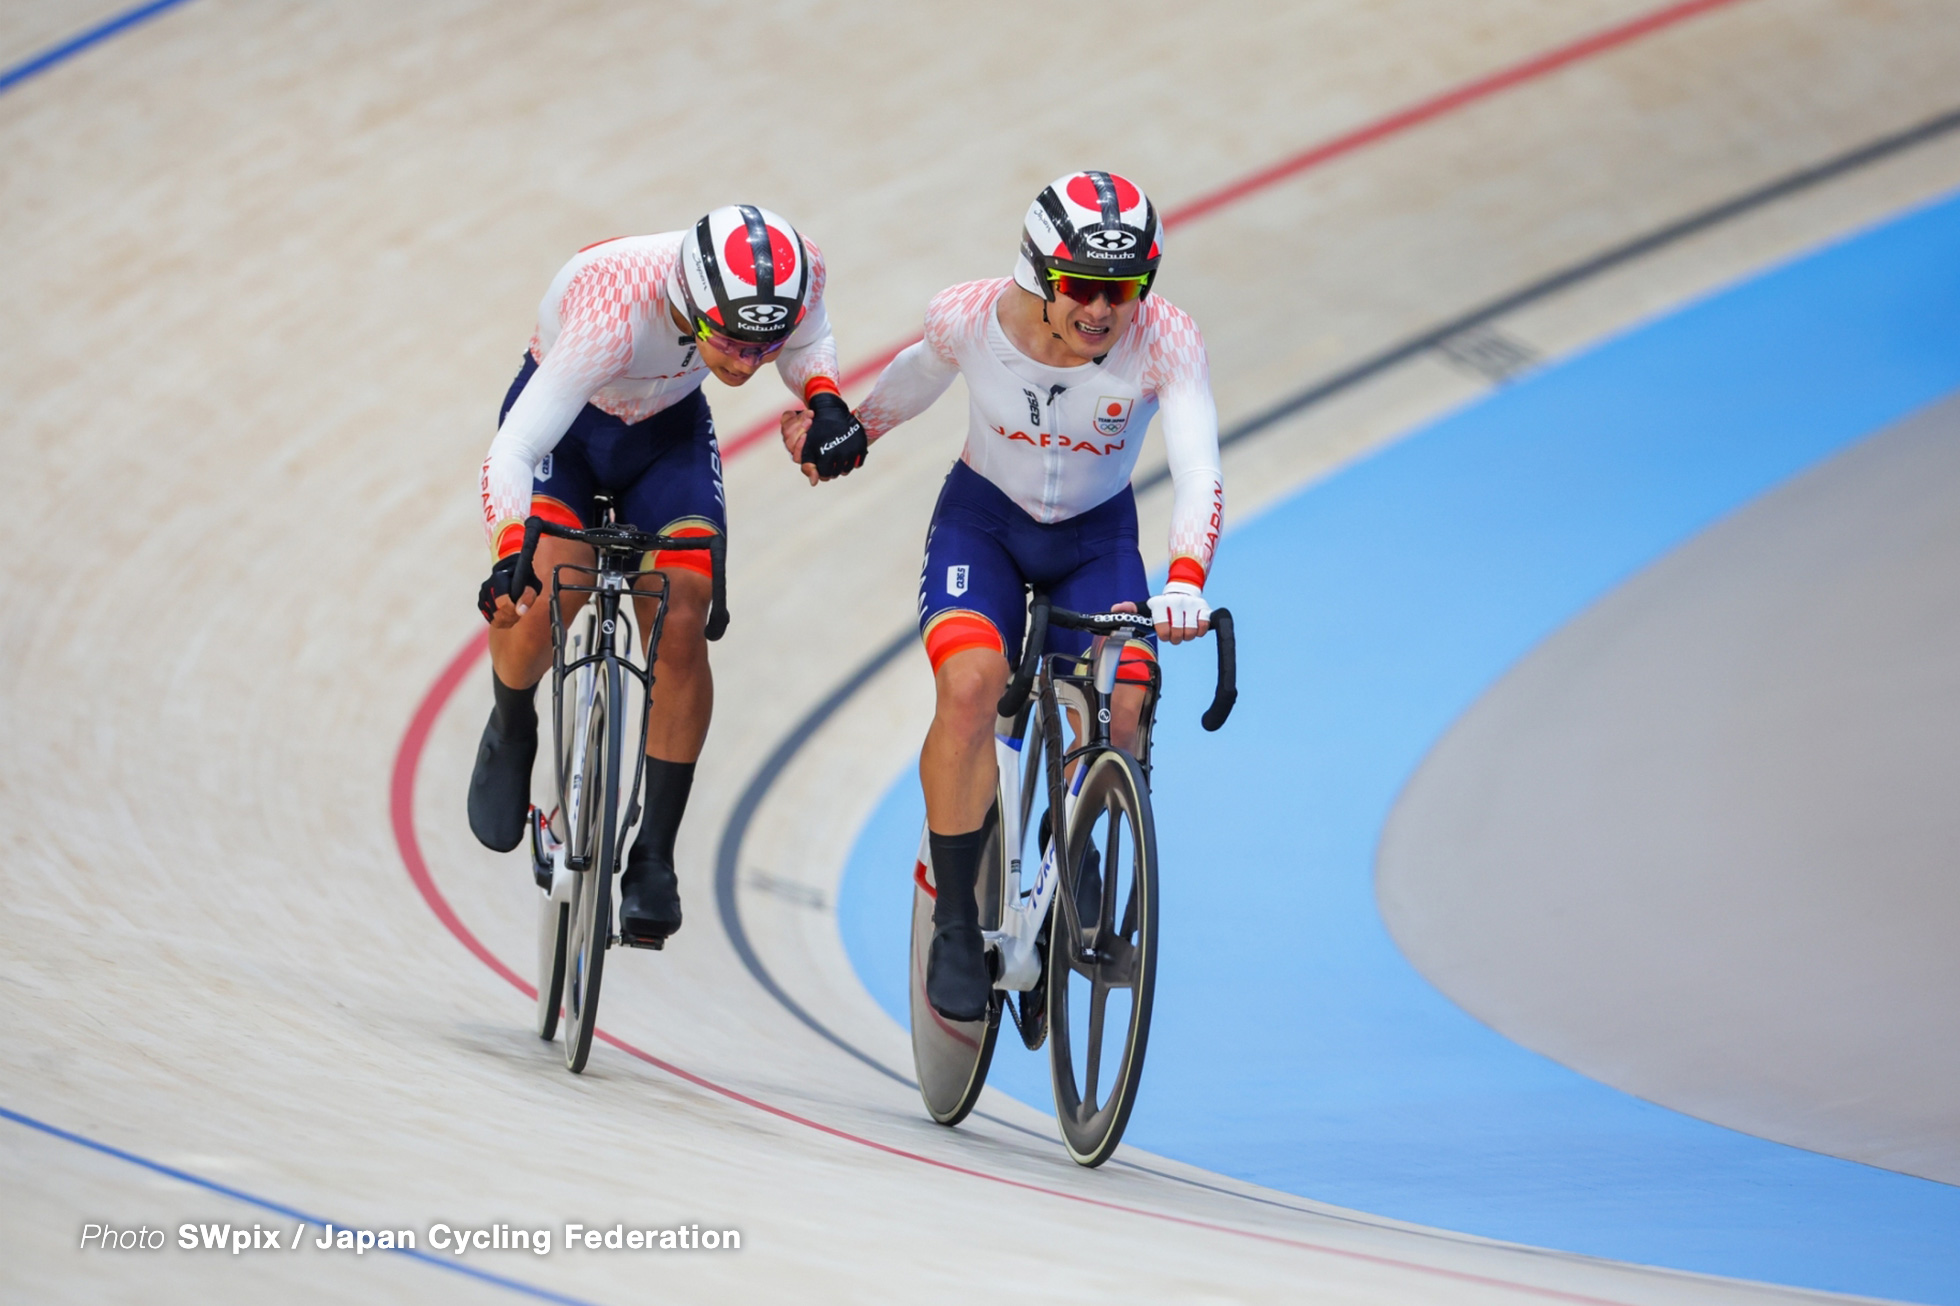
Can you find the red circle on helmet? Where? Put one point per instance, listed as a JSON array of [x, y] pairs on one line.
[[1082, 190], [738, 258]]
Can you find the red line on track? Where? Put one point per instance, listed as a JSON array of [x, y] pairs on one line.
[[408, 756], [1436, 106]]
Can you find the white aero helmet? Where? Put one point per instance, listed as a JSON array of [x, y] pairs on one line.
[[744, 274], [1088, 224]]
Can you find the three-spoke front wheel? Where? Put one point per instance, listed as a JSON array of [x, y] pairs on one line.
[[589, 921], [554, 920], [554, 925], [1102, 957]]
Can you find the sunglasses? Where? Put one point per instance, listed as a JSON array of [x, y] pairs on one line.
[[746, 351], [1086, 290]]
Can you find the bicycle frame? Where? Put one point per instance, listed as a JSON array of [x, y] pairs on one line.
[[603, 635], [1036, 934], [1088, 698]]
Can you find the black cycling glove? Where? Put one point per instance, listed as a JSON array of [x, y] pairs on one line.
[[836, 443], [498, 584]]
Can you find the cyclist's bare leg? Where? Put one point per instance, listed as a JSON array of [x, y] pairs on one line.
[[959, 774], [520, 650], [956, 766], [677, 725], [684, 684]]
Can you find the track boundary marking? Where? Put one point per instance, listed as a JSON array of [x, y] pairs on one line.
[[278, 1208], [35, 64]]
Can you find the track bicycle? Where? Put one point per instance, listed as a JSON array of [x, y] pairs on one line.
[[1083, 929], [601, 691]]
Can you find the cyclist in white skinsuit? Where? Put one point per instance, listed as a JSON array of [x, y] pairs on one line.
[[609, 398], [1065, 365]]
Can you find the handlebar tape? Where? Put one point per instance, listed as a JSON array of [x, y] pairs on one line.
[[525, 577], [1227, 692], [718, 593]]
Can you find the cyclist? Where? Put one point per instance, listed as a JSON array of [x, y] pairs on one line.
[[1065, 364], [609, 399]]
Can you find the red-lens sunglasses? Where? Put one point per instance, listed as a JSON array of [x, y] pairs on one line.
[[1086, 290]]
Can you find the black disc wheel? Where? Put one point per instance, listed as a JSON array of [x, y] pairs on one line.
[[951, 1056], [590, 916], [1102, 957]]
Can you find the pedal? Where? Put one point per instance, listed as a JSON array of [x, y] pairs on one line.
[[542, 846], [638, 941]]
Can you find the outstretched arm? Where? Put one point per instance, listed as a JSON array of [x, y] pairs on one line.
[[1183, 383], [920, 373], [908, 386]]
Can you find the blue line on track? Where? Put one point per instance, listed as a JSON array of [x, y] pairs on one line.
[[1292, 1045], [74, 45], [451, 1264]]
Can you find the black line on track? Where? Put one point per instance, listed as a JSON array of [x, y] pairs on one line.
[[727, 857]]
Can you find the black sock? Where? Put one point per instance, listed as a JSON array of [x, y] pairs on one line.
[[517, 709], [667, 784], [955, 872]]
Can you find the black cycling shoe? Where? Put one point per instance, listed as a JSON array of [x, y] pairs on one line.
[[500, 785], [958, 984], [649, 897]]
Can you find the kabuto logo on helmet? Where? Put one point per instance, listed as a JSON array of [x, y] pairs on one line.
[[744, 272], [1092, 224]]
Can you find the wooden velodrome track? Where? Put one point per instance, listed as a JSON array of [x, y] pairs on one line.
[[268, 270]]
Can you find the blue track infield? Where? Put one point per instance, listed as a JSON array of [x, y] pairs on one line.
[[1292, 1044]]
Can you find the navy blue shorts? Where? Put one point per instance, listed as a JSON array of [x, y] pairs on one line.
[[983, 551], [664, 473]]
